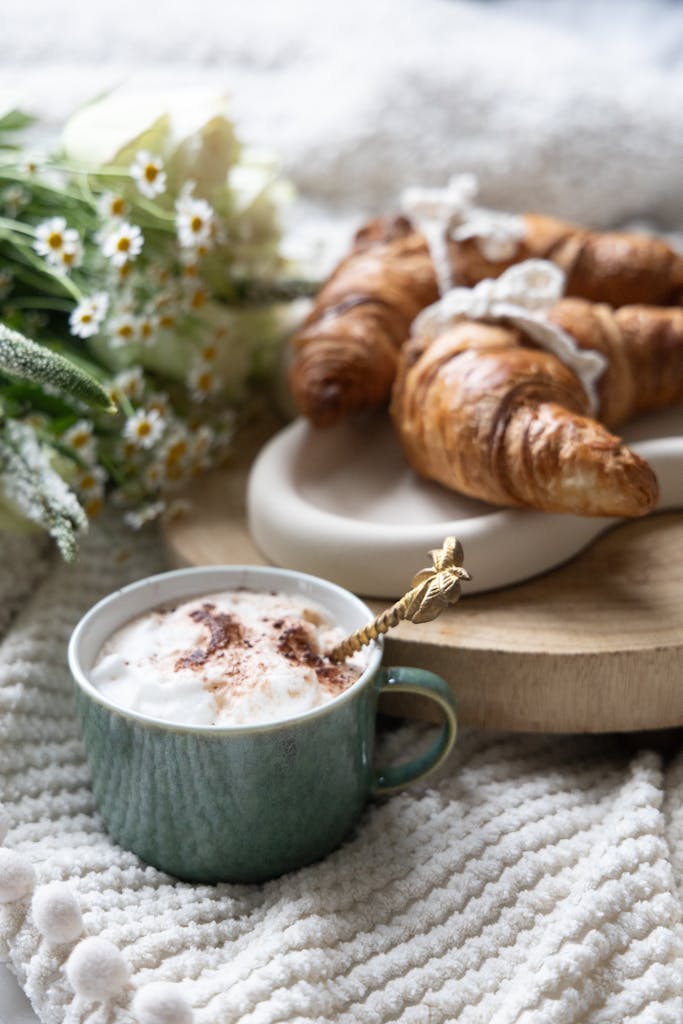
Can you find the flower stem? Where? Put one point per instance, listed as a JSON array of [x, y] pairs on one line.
[[7, 224], [13, 174], [40, 282], [156, 211], [36, 302], [34, 261]]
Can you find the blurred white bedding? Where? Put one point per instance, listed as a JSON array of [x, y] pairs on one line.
[[572, 108]]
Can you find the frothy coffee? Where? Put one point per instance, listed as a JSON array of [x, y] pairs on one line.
[[237, 657]]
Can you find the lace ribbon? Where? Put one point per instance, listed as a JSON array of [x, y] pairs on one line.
[[521, 296], [440, 213]]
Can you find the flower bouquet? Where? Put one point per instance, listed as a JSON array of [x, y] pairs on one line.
[[141, 289]]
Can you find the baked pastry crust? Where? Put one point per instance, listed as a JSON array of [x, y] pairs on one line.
[[603, 266], [345, 354], [479, 408]]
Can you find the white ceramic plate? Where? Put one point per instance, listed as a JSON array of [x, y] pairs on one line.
[[342, 503]]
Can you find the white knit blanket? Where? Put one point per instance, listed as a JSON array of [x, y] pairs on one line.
[[534, 880], [565, 108]]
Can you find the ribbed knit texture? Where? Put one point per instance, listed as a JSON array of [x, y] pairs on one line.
[[534, 880]]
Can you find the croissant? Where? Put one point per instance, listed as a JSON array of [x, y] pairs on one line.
[[643, 346], [483, 411], [613, 267], [346, 352]]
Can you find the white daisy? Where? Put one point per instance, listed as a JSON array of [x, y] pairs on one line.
[[90, 482], [176, 454], [130, 383], [166, 320], [208, 353], [146, 329], [70, 255], [123, 329], [131, 456], [160, 401], [176, 447], [14, 198], [191, 253], [159, 275], [31, 166], [93, 504], [166, 305], [80, 437], [86, 319], [123, 244], [197, 297], [112, 206], [136, 519], [195, 222], [54, 238], [154, 476], [50, 236], [144, 428], [203, 382], [123, 274], [148, 173], [37, 420], [201, 444]]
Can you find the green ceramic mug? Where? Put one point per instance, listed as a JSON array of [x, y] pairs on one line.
[[240, 803]]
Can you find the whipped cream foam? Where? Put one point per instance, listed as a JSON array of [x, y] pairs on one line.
[[232, 658]]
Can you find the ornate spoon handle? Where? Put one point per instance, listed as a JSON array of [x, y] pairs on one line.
[[432, 590]]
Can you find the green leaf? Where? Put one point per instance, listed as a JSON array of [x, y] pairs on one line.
[[20, 397], [15, 120], [22, 358], [35, 490]]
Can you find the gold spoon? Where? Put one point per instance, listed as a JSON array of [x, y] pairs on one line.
[[432, 590]]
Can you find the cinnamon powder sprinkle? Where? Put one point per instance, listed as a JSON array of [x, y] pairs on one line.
[[294, 641], [295, 644], [224, 631]]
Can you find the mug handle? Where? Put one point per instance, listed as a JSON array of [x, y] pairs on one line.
[[400, 679]]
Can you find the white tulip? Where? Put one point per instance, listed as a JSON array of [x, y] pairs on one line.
[[191, 131]]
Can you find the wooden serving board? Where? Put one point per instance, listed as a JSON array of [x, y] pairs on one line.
[[593, 646]]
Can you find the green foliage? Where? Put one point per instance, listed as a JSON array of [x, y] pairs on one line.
[[140, 259], [35, 490], [14, 121], [24, 359]]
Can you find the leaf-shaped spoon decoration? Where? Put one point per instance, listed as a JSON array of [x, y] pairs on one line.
[[432, 590]]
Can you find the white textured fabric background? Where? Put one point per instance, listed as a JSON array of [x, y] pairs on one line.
[[535, 880], [564, 107]]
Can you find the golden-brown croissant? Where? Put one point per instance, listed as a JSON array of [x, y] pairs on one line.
[[345, 354], [483, 411], [615, 267], [643, 346]]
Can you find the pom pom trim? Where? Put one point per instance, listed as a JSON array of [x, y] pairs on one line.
[[95, 967]]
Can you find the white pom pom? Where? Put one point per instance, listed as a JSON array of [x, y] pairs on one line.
[[96, 969], [17, 876], [162, 1002], [57, 913], [4, 824]]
